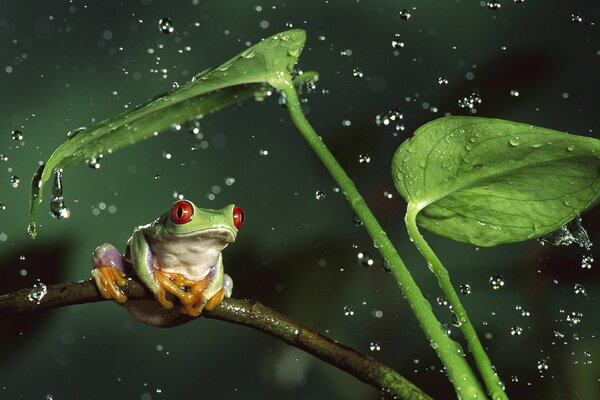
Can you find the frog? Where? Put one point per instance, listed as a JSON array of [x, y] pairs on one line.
[[177, 254]]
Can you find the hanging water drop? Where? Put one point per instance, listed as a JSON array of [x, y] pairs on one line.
[[74, 132], [57, 204]]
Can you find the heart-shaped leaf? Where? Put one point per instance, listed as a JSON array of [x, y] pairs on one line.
[[488, 181], [245, 75]]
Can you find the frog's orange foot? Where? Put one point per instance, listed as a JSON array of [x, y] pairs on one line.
[[109, 281], [187, 291], [215, 300]]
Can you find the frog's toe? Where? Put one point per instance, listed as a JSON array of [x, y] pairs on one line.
[[109, 281], [176, 285], [215, 300]]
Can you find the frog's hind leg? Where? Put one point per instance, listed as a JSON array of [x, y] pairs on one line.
[[109, 272]]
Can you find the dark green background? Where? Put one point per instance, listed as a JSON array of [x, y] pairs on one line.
[[73, 63]]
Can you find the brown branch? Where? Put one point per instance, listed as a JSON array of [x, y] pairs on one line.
[[243, 312]]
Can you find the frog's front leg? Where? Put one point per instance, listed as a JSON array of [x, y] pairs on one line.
[[159, 282], [109, 272]]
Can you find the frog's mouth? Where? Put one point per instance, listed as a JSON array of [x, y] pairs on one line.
[[219, 234]]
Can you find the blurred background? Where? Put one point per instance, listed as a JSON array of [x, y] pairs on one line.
[[66, 64]]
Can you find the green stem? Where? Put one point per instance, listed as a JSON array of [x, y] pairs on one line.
[[449, 352], [490, 378]]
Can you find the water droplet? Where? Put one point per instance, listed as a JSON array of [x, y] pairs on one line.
[[494, 4], [2, 206], [514, 141], [319, 195], [3, 157], [348, 311], [389, 117], [374, 346], [74, 132], [17, 135], [442, 301], [364, 259], [587, 261], [57, 204], [516, 330], [567, 202], [570, 148], [356, 219], [579, 289], [396, 42], [405, 14], [165, 25], [455, 321], [465, 289], [571, 232], [357, 73], [263, 152], [442, 80], [14, 180], [470, 102], [386, 266], [574, 318], [542, 366], [514, 93], [38, 293], [576, 18], [496, 282], [94, 163], [364, 158]]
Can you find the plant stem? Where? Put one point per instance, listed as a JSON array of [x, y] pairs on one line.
[[449, 352], [490, 378]]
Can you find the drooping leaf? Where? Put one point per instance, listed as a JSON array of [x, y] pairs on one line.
[[245, 75], [488, 181]]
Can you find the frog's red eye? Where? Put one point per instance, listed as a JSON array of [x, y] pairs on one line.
[[238, 217], [182, 212]]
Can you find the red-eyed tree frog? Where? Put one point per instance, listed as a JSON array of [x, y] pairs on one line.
[[178, 253]]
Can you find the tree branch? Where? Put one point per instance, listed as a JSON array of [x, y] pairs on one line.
[[243, 312]]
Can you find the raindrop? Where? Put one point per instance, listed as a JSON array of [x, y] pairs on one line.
[[442, 301], [364, 259], [494, 4], [514, 141], [470, 102], [319, 195], [3, 157], [542, 366], [74, 132], [374, 346], [357, 73], [364, 158], [16, 135], [455, 321], [229, 181], [194, 128], [571, 232], [2, 206], [465, 289], [443, 80], [574, 318], [263, 152], [94, 162], [516, 330], [14, 180], [396, 42], [57, 204], [386, 266], [405, 14], [514, 93], [348, 311], [38, 293], [587, 261], [576, 18], [579, 289], [165, 25], [356, 219], [496, 282], [389, 117]]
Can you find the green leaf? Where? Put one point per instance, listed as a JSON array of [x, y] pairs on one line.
[[245, 75], [488, 181]]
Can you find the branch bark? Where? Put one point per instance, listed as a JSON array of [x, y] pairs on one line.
[[250, 313]]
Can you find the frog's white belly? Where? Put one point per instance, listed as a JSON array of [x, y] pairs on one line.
[[192, 256]]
